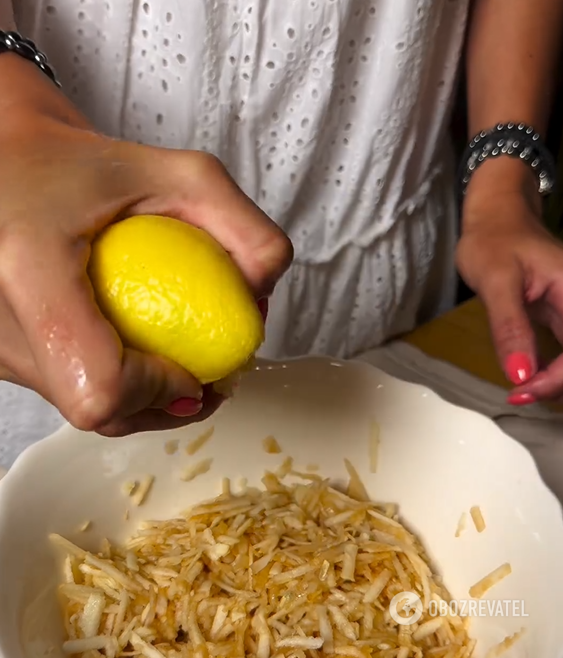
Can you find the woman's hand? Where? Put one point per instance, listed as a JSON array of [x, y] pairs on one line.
[[60, 185], [516, 267]]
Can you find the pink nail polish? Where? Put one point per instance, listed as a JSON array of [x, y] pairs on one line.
[[263, 305], [184, 407], [518, 367], [521, 399]]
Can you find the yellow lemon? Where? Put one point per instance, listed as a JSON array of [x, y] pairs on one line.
[[170, 289]]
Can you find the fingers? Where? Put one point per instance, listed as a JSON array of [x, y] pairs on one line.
[[86, 372], [157, 420], [197, 189], [152, 382], [548, 383], [511, 329]]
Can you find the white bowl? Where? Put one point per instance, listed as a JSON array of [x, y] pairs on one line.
[[435, 460]]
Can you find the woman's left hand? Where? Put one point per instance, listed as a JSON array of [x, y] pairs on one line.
[[515, 265]]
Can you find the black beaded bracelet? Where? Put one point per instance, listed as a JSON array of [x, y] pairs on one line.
[[516, 140], [12, 42]]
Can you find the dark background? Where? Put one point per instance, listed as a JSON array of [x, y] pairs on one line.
[[554, 204]]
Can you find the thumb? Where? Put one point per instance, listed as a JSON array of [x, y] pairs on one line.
[[84, 369], [513, 336]]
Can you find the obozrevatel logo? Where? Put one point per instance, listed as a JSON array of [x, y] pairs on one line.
[[405, 608]]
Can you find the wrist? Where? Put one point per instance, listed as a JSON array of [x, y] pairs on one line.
[[498, 180], [27, 92]]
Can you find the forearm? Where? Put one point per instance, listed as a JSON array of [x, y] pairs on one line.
[[512, 58]]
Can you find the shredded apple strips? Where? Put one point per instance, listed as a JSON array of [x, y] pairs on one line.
[[295, 571]]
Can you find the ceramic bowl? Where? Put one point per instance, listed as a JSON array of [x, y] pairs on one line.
[[435, 460]]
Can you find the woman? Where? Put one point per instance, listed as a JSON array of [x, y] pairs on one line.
[[331, 116]]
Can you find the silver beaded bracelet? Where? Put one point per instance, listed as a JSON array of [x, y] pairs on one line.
[[516, 140], [12, 42]]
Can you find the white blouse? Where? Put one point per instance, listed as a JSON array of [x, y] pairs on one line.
[[330, 114]]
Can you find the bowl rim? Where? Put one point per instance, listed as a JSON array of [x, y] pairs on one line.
[[62, 434], [552, 510]]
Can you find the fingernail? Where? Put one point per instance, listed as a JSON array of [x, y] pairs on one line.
[[184, 407], [518, 367], [520, 399], [263, 305]]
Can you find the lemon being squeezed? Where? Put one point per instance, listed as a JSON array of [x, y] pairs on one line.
[[170, 289]]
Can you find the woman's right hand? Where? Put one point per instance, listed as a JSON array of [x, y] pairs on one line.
[[61, 183]]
